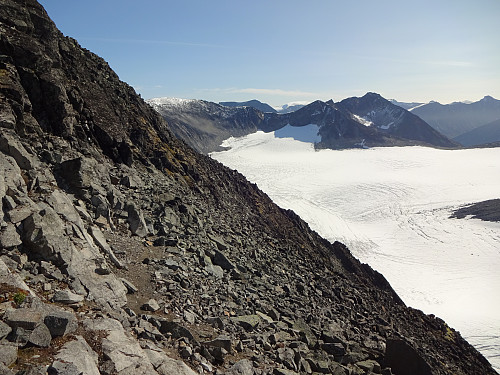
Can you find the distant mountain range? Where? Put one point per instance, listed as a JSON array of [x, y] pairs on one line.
[[368, 121], [456, 120], [468, 123]]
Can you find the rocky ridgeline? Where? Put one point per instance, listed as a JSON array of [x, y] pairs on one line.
[[124, 252]]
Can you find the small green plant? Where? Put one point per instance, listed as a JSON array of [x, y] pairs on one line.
[[19, 298]]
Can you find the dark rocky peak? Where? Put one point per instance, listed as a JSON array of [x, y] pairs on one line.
[[375, 111], [366, 104], [263, 107]]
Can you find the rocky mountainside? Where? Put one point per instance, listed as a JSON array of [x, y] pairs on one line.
[[455, 119], [123, 251], [263, 107], [369, 121], [204, 125]]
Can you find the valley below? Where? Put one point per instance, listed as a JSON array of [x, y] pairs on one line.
[[392, 208]]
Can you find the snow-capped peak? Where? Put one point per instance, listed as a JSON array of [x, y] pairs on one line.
[[170, 101]]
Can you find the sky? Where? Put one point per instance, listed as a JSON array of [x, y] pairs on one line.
[[284, 51]]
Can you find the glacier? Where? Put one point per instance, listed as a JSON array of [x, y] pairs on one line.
[[391, 206]]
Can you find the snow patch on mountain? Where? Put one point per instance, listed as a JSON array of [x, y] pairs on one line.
[[308, 133], [362, 120], [418, 106]]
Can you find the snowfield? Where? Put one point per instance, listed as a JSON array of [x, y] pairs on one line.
[[391, 207]]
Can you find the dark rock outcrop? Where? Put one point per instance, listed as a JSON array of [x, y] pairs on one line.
[[86, 158], [487, 210]]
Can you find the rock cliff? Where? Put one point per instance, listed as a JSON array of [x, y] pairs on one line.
[[124, 251]]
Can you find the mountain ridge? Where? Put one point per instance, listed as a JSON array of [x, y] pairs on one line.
[[263, 107]]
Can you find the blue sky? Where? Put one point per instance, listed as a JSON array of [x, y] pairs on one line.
[[281, 51]]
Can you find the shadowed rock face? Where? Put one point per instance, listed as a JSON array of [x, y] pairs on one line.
[[105, 212]]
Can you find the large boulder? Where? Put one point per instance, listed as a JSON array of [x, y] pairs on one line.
[[163, 364], [60, 322], [75, 357], [9, 237], [45, 233], [136, 221], [404, 359], [10, 145], [124, 353], [11, 181]]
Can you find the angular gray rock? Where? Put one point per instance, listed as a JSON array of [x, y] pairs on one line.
[[136, 221], [67, 297], [4, 370], [21, 212], [10, 145], [4, 330], [242, 367], [12, 279], [219, 242], [75, 358], [40, 336], [26, 318], [103, 245], [220, 259], [124, 352], [151, 305], [131, 288], [9, 237], [11, 180], [45, 233], [8, 354], [248, 322], [60, 322], [222, 341], [164, 365]]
